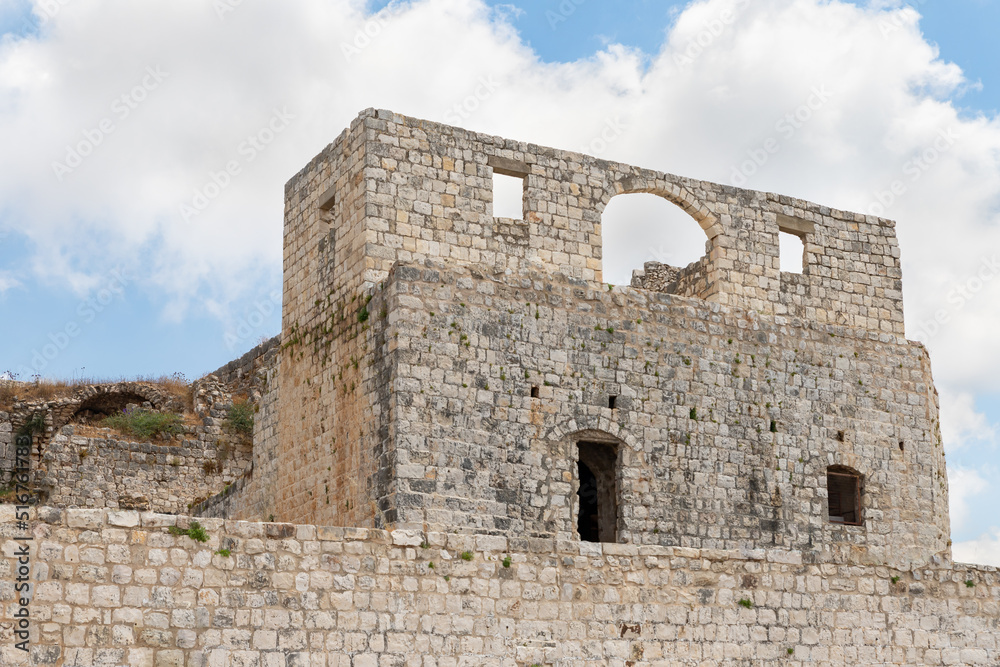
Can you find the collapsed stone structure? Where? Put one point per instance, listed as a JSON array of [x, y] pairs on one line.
[[477, 452]]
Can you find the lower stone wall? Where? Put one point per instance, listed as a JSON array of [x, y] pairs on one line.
[[117, 588], [166, 476]]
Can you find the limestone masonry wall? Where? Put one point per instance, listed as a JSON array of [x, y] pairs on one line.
[[727, 420], [116, 588], [396, 190], [115, 473]]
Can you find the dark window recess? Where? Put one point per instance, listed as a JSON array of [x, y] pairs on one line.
[[840, 436], [611, 401], [902, 446], [844, 497], [534, 392], [597, 520]]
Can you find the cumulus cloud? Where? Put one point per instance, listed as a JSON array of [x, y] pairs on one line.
[[964, 486], [157, 109], [961, 424]]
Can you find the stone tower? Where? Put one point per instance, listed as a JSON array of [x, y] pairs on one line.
[[445, 369]]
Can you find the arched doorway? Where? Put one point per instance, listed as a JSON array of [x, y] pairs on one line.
[[598, 493]]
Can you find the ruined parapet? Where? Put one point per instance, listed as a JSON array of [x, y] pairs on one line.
[[77, 460], [656, 277]]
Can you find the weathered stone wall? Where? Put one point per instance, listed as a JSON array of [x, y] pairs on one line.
[[726, 420], [253, 495], [242, 372], [429, 195], [75, 462], [395, 189], [332, 411], [56, 412], [115, 588], [114, 472], [655, 276]]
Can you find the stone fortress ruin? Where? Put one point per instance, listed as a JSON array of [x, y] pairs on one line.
[[468, 449]]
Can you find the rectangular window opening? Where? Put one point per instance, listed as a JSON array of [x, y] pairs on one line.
[[611, 401], [791, 252], [534, 392], [844, 498], [508, 196]]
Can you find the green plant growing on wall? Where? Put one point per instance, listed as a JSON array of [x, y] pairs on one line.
[[239, 418], [746, 603], [195, 531], [34, 425], [467, 555]]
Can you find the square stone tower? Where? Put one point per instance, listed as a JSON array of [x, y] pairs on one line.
[[443, 368]]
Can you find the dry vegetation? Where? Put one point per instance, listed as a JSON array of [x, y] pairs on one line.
[[47, 390]]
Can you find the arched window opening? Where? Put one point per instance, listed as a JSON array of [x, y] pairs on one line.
[[597, 518], [648, 235], [844, 489]]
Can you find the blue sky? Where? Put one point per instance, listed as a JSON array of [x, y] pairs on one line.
[[101, 275]]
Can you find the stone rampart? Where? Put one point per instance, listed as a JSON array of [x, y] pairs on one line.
[[116, 588], [114, 472]]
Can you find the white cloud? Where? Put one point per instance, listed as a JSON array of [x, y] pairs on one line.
[[985, 550], [7, 281], [964, 486], [961, 424], [854, 96]]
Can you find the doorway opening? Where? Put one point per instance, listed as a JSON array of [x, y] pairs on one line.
[[597, 466]]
